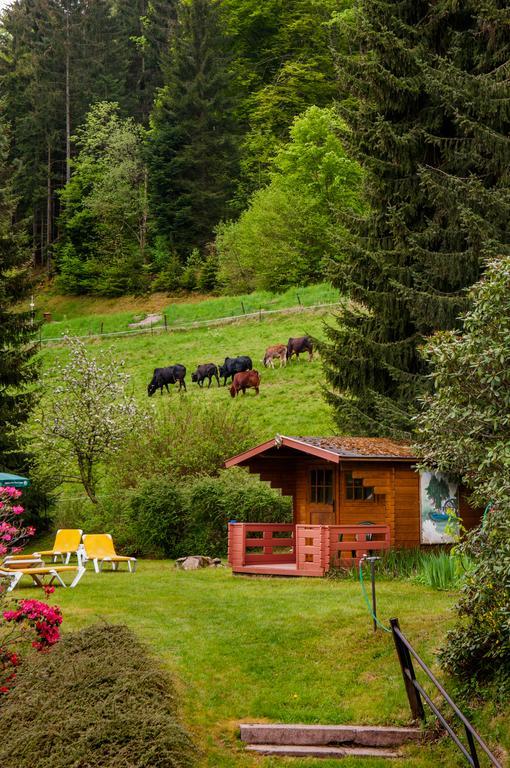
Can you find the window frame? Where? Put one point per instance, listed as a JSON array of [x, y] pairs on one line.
[[327, 499]]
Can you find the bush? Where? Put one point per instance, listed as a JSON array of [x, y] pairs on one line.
[[193, 439], [96, 699], [478, 648], [158, 519], [233, 495]]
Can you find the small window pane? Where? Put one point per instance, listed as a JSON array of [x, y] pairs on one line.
[[356, 491]]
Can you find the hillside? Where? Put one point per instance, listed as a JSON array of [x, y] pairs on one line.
[[290, 399]]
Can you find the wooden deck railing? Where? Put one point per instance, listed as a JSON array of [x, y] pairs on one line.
[[261, 543], [313, 548]]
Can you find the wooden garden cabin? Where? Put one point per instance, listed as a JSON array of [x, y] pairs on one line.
[[347, 492]]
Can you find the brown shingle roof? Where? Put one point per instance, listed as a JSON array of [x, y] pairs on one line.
[[362, 447]]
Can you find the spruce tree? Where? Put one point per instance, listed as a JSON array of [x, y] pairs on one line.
[[18, 370], [192, 148], [430, 127]]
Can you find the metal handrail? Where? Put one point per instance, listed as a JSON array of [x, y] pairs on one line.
[[415, 691]]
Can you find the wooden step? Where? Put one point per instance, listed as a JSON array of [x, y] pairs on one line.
[[327, 735], [285, 750]]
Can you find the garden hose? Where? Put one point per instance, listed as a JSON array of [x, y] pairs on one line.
[[367, 601]]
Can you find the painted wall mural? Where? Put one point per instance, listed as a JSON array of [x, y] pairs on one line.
[[439, 504]]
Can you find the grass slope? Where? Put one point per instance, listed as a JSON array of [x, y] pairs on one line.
[[284, 650], [290, 400], [84, 315]]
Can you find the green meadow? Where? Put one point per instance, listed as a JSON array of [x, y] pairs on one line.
[[290, 399], [277, 650], [80, 316]]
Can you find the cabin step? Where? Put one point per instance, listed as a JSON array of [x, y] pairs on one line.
[[286, 750], [327, 735]]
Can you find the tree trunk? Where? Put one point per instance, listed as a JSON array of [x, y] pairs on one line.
[[68, 105], [49, 203]]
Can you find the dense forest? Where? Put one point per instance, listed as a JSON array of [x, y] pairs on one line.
[[158, 145], [232, 145]]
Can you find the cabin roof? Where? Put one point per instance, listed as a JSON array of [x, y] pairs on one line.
[[333, 449]]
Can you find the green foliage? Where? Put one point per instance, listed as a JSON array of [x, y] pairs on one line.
[[158, 518], [233, 495], [103, 248], [283, 64], [105, 663], [440, 570], [192, 150], [464, 430], [290, 230], [18, 368], [477, 650], [193, 439], [425, 94]]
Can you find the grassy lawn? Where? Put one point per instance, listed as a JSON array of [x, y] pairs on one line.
[[290, 399], [284, 650], [80, 315]]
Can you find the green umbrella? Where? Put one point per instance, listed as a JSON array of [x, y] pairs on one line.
[[14, 481]]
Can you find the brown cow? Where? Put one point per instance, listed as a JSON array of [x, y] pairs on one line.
[[243, 381], [298, 345], [278, 351]]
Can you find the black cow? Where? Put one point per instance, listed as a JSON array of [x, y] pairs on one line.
[[233, 365], [162, 377], [206, 371], [298, 345]]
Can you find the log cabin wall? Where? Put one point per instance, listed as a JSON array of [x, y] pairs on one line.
[[374, 480], [395, 500]]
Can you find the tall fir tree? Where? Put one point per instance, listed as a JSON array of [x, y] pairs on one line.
[[18, 369], [192, 154], [430, 126]]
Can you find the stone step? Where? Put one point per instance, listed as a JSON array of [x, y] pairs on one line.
[[286, 750], [327, 735]]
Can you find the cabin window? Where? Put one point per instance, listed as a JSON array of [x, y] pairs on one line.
[[356, 491], [321, 486]]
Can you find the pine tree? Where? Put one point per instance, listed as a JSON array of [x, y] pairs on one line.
[[18, 370], [192, 148], [430, 126]]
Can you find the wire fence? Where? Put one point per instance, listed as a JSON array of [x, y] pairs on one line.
[[163, 326]]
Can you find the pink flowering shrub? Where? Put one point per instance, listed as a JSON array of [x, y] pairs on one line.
[[13, 535], [30, 621]]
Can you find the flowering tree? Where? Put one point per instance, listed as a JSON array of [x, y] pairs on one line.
[[86, 417], [28, 617]]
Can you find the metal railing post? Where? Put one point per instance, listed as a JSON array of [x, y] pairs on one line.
[[408, 674]]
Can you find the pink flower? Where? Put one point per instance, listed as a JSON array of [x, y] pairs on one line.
[[17, 509]]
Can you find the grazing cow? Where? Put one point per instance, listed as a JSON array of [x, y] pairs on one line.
[[162, 377], [278, 351], [243, 381], [233, 365], [298, 345], [206, 371]]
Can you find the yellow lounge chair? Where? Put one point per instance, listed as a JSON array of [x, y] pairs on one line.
[[15, 568], [67, 542], [99, 548]]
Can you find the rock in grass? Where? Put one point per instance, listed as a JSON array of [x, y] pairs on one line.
[[96, 699], [193, 562]]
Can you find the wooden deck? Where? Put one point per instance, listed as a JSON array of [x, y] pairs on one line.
[[277, 549]]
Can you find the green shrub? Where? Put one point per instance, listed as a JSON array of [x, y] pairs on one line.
[[158, 518], [477, 650], [193, 439], [233, 495], [97, 699]]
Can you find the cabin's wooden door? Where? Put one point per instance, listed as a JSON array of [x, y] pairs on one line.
[[321, 495]]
